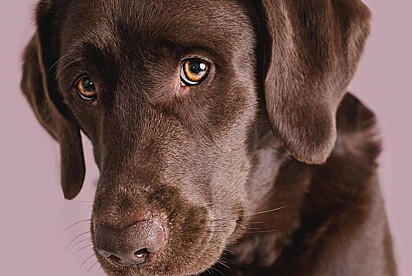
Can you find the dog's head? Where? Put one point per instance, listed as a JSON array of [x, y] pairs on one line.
[[170, 94]]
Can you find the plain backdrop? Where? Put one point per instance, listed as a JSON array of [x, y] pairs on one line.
[[34, 215]]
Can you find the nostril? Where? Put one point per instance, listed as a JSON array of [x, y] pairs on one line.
[[137, 244], [139, 258], [115, 259], [104, 253], [141, 254]]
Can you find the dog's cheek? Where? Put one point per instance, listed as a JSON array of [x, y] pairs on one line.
[[208, 200], [193, 245]]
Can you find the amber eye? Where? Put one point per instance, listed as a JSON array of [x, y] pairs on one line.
[[194, 71], [86, 88]]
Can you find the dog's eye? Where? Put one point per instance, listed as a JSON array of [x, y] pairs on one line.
[[86, 88], [194, 71]]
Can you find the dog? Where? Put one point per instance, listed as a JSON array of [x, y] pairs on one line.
[[225, 137]]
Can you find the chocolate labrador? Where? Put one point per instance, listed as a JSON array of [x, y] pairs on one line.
[[222, 130]]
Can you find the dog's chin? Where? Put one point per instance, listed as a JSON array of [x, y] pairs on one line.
[[193, 267]]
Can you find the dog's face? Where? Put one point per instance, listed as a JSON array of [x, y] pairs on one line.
[[169, 93], [163, 79]]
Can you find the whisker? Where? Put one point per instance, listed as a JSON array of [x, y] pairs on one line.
[[235, 263], [88, 238], [267, 211], [74, 240], [74, 224], [83, 248], [93, 266], [252, 228], [87, 209], [216, 231], [221, 219], [214, 268], [223, 264], [262, 231], [67, 65], [84, 201], [54, 64], [87, 260]]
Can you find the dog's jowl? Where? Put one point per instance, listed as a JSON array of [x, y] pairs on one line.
[[226, 141]]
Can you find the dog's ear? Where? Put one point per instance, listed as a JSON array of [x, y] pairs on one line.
[[312, 50], [40, 87]]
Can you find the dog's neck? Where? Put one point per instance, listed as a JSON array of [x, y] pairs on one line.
[[274, 198], [291, 201], [267, 160]]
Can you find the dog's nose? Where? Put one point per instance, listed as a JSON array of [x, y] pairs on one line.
[[134, 245]]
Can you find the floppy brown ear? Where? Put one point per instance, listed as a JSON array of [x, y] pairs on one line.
[[40, 88], [313, 47]]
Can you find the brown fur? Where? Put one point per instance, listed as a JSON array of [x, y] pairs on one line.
[[265, 168]]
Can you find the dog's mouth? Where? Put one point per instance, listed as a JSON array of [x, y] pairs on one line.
[[184, 240]]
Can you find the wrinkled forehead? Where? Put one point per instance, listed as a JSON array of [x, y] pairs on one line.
[[210, 23]]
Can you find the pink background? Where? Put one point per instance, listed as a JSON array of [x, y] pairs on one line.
[[33, 212]]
